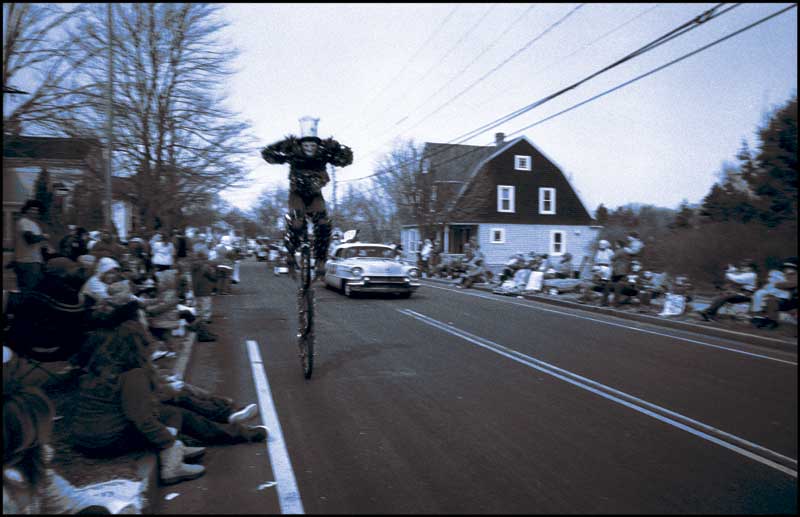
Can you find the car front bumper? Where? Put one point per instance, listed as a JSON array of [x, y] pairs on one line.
[[376, 286]]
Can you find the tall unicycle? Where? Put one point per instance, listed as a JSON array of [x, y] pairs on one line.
[[305, 310]]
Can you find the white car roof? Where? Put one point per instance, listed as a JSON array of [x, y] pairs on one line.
[[357, 244]]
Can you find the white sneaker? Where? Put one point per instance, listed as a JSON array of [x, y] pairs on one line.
[[243, 414]]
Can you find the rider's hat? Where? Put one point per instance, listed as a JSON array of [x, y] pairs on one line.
[[308, 129]]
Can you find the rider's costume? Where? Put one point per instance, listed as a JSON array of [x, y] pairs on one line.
[[307, 176]]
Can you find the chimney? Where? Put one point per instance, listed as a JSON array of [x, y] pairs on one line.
[[498, 139]]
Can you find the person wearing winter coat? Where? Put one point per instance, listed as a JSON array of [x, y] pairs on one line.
[[782, 297], [163, 252], [119, 410], [204, 278], [740, 285], [425, 256]]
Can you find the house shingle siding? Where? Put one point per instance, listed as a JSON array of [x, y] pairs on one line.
[[479, 202], [524, 238]]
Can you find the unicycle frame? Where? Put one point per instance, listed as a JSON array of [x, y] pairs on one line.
[[305, 309]]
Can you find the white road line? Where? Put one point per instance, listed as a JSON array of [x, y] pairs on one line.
[[288, 493], [707, 433], [597, 320]]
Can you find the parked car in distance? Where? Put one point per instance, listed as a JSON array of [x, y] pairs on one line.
[[366, 267]]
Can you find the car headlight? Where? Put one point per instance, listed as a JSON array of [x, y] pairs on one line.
[[413, 273], [357, 272]]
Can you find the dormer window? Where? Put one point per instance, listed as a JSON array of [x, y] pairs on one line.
[[522, 163]]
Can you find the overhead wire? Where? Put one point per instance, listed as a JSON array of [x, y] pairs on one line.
[[685, 56], [497, 67], [411, 59], [437, 63], [585, 46], [488, 47]]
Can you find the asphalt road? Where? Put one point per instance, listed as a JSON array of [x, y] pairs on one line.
[[457, 401]]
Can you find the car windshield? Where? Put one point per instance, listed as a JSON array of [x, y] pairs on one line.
[[368, 252]]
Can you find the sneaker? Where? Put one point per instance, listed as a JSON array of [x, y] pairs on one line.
[[243, 414], [158, 354], [256, 433]]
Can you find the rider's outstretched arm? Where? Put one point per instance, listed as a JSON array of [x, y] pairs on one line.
[[338, 155], [279, 152]]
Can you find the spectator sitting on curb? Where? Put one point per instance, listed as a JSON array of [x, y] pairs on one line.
[[512, 265], [679, 293], [563, 268], [476, 268], [739, 288], [600, 277], [119, 410], [782, 298], [30, 486]]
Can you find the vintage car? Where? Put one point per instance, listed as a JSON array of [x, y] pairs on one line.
[[364, 267]]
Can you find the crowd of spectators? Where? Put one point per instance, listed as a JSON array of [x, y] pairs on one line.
[[616, 276], [110, 310]]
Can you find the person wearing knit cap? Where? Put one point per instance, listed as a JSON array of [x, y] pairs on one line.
[[106, 273]]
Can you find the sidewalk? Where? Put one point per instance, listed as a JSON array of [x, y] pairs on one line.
[[729, 325], [125, 484]]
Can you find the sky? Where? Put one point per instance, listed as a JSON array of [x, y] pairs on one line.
[[376, 74]]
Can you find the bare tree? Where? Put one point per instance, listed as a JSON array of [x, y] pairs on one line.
[[37, 55], [269, 209], [373, 216], [399, 175], [172, 134]]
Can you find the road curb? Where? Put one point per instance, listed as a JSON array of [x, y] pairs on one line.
[[788, 345], [148, 466]]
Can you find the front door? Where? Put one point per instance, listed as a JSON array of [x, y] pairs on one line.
[[460, 235]]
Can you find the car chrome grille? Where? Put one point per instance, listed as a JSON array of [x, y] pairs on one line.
[[387, 279]]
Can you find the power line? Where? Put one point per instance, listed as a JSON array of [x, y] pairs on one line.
[[432, 67], [497, 67], [685, 56], [491, 45], [657, 69], [674, 33], [503, 63], [584, 47], [413, 56], [587, 45]]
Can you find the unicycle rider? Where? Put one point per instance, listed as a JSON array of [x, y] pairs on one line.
[[307, 157]]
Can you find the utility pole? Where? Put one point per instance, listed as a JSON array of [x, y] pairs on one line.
[[110, 117]]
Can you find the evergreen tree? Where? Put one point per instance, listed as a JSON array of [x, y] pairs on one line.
[[601, 214], [774, 181]]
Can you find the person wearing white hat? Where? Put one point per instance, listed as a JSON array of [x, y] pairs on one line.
[[308, 157], [106, 273]]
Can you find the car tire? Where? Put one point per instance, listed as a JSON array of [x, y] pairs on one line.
[[405, 295]]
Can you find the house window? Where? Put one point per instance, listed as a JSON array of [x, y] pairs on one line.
[[498, 236], [522, 163], [434, 192], [558, 243], [426, 166], [547, 200], [505, 198]]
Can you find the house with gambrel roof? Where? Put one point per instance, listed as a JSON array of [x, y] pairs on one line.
[[511, 197]]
